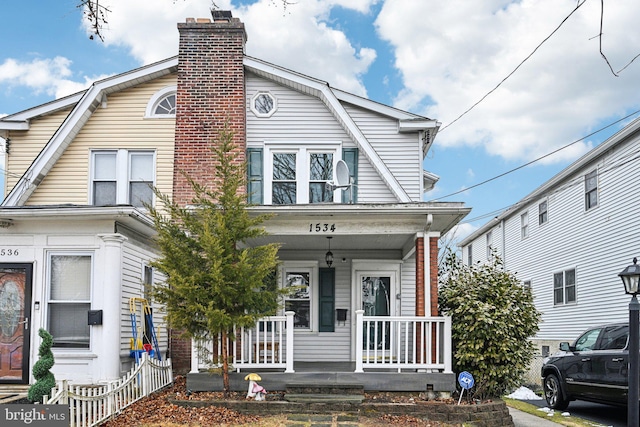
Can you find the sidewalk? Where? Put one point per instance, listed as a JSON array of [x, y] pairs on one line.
[[522, 419]]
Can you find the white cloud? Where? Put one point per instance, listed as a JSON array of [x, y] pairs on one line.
[[455, 53], [298, 38]]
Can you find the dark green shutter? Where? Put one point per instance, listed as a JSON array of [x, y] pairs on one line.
[[254, 176], [350, 157], [327, 299]]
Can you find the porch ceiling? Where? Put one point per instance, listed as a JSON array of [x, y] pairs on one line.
[[356, 227]]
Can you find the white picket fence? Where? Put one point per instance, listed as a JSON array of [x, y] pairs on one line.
[[92, 405]]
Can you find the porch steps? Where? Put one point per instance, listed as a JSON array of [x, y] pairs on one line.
[[11, 393], [325, 392]]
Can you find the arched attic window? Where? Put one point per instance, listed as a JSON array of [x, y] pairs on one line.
[[162, 104]]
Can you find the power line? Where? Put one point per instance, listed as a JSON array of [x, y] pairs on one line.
[[517, 67], [606, 168], [535, 160]]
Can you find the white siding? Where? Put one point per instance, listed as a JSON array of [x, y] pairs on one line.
[[399, 151], [598, 243], [337, 346], [304, 118]]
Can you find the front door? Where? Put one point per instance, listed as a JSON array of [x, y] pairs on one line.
[[15, 313], [377, 293]]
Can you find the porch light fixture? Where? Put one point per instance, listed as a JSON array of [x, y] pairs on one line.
[[328, 257], [630, 277]]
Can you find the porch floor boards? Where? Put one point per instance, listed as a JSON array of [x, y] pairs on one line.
[[328, 373]]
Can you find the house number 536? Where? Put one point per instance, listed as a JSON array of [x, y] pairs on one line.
[[8, 252], [319, 228]]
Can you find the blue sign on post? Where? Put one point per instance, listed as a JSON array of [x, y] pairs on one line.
[[465, 379]]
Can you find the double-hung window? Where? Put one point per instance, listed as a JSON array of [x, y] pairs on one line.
[[69, 299], [489, 238], [542, 213], [591, 190], [524, 225], [564, 287], [122, 177], [299, 175], [298, 281], [470, 255]]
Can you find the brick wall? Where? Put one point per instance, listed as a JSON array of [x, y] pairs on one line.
[[433, 265], [211, 93]]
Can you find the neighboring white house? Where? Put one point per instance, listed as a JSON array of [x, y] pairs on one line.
[[90, 157], [569, 239]]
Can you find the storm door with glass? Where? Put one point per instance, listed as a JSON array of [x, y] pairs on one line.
[[377, 300], [15, 303]]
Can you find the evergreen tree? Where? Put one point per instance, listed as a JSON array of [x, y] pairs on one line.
[[45, 380], [493, 319], [216, 280]]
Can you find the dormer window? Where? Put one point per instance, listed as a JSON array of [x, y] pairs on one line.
[[162, 104], [263, 104]]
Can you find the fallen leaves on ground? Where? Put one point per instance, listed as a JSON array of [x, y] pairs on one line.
[[157, 411]]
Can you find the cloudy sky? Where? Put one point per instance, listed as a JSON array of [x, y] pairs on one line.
[[535, 65]]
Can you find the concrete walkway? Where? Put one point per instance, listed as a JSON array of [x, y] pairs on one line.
[[523, 419]]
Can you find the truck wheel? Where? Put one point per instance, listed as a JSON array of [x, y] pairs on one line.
[[553, 393]]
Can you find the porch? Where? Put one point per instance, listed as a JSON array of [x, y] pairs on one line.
[[391, 354]]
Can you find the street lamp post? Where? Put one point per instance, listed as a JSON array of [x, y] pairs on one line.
[[631, 277]]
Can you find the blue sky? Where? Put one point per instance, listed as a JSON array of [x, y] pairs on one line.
[[432, 58]]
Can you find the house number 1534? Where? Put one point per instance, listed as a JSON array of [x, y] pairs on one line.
[[320, 227]]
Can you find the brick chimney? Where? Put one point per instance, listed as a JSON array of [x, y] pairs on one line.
[[211, 90]]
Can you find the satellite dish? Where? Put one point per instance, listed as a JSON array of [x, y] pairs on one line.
[[342, 174]]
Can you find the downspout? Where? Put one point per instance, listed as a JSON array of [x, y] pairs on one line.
[[504, 240]]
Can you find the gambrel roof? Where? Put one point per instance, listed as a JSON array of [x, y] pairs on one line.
[[85, 103]]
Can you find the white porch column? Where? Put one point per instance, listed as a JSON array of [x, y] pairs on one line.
[[290, 333], [195, 368], [107, 336], [359, 340], [448, 348]]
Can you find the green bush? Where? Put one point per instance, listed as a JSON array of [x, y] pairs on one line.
[[45, 380], [493, 319]]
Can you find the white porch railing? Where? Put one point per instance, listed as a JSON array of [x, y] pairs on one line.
[[267, 345], [384, 342], [92, 405]]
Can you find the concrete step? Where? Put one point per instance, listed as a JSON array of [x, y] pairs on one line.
[[324, 398], [330, 388]]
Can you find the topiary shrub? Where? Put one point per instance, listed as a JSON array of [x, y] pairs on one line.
[[492, 320], [45, 380]]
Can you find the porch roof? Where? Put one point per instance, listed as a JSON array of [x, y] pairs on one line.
[[357, 226]]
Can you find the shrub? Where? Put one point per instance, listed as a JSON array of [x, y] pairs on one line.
[[493, 319], [45, 380]]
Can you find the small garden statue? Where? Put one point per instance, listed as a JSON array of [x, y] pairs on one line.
[[45, 381], [255, 390]]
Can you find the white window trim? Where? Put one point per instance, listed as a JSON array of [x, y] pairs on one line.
[[489, 244], [258, 113], [47, 295], [524, 225], [155, 99], [123, 160], [547, 212], [302, 151], [564, 286], [312, 268]]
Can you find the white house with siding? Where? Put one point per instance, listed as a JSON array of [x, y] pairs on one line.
[[88, 159], [569, 239]]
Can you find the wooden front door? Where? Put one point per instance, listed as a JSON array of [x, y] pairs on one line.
[[15, 313]]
